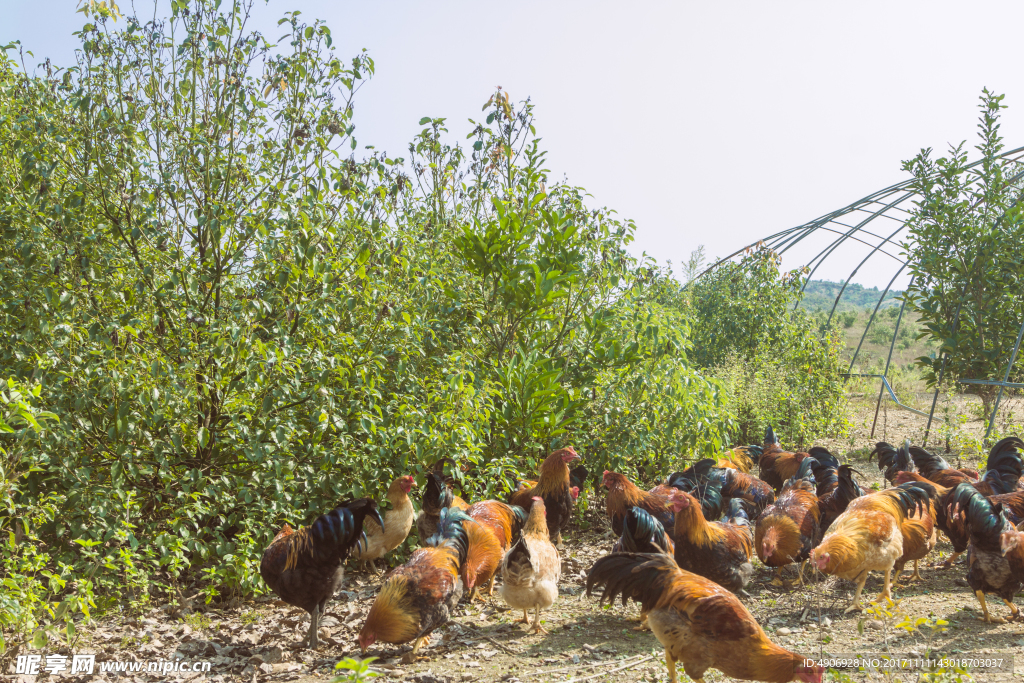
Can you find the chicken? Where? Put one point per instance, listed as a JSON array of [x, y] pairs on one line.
[[420, 595], [788, 529], [623, 495], [920, 532], [734, 484], [577, 479], [893, 460], [868, 536], [555, 490], [483, 557], [643, 533], [936, 470], [834, 503], [398, 522], [531, 568], [995, 558], [1003, 469], [777, 466], [504, 523], [306, 567], [740, 458], [825, 467], [719, 551], [697, 621], [436, 497]]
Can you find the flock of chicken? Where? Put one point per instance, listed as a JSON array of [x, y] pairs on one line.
[[684, 548]]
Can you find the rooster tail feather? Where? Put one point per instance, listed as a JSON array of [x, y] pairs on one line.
[[451, 532], [985, 519], [1005, 467], [824, 456], [769, 436], [738, 511], [927, 462], [643, 577], [641, 532]]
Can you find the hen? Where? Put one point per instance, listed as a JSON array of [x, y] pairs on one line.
[[696, 620], [420, 595], [893, 460], [834, 503], [776, 465], [624, 495], [398, 522], [531, 568], [868, 537], [503, 522], [995, 557], [788, 529], [436, 497], [719, 551], [554, 489], [306, 567]]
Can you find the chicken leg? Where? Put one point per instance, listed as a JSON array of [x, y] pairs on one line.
[[490, 586], [314, 622], [671, 664], [410, 656], [800, 574], [984, 608], [524, 620], [886, 588], [855, 603], [537, 628], [1014, 612], [949, 562]]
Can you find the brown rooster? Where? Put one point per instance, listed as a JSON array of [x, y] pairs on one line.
[[719, 551], [553, 488], [739, 458], [398, 522], [504, 523], [420, 595], [697, 621], [306, 567], [778, 466], [920, 532], [623, 495], [936, 470], [531, 568], [867, 536], [788, 529], [436, 497]]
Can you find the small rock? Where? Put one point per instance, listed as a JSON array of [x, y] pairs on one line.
[[784, 631], [875, 624], [576, 658], [826, 622]]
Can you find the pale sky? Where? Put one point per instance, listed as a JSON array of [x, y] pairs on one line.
[[711, 123]]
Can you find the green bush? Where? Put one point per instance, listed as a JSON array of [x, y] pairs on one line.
[[779, 366]]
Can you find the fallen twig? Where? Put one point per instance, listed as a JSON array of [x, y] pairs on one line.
[[607, 673], [490, 640], [576, 667]]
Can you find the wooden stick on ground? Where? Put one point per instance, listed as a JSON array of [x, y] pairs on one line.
[[608, 673]]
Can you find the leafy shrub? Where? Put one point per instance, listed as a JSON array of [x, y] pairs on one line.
[[778, 365]]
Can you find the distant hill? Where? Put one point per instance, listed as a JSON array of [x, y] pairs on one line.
[[821, 294]]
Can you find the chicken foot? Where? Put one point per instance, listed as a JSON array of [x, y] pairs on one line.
[[988, 618], [886, 593], [524, 620], [490, 586], [411, 656], [855, 603], [949, 562], [537, 628], [642, 626], [1014, 612]]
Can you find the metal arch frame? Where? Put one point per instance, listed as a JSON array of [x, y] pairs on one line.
[[882, 204]]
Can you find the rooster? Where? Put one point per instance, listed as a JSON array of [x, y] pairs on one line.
[[504, 523], [893, 460], [643, 533], [788, 529], [436, 497], [936, 470], [696, 620], [555, 490], [624, 495], [306, 567], [740, 458], [734, 484], [995, 558], [868, 536], [834, 503], [777, 466], [398, 522], [531, 568], [920, 532], [719, 551], [420, 595], [1003, 469]]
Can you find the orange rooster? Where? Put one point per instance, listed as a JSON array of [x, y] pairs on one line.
[[531, 568], [788, 529], [398, 522], [739, 458], [420, 595], [554, 489], [504, 523], [697, 621], [436, 497], [624, 495], [306, 567], [719, 551], [778, 466], [868, 536]]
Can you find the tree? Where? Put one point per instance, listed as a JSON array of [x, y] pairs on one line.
[[966, 253]]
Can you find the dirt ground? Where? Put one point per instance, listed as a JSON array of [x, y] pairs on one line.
[[258, 641]]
